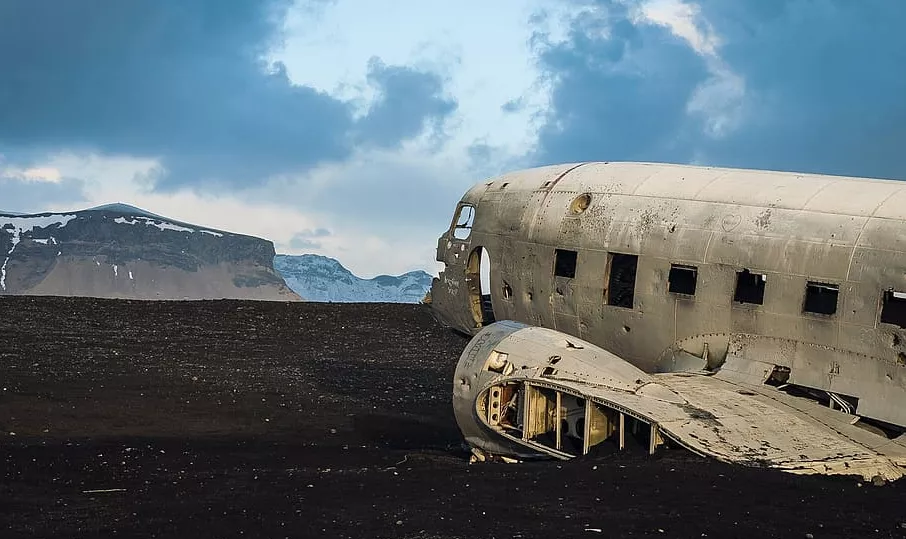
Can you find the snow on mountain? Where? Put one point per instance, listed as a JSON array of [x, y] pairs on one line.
[[19, 224], [91, 252], [319, 278], [126, 209]]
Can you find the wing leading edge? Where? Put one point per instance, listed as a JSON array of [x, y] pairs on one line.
[[527, 392]]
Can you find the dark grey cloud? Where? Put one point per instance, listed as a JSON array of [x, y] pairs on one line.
[[184, 81], [617, 97], [316, 233], [308, 238], [513, 105], [828, 79], [409, 102], [24, 196], [824, 88], [486, 160], [300, 242]]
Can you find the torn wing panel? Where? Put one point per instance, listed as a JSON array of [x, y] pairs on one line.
[[529, 392]]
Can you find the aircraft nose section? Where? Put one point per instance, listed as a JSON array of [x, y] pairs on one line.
[[514, 383], [472, 375]]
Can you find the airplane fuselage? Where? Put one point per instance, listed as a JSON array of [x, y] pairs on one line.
[[674, 267]]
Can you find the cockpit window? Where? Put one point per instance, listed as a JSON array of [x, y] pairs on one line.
[[463, 223]]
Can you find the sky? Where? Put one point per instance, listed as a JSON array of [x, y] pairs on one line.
[[351, 128]]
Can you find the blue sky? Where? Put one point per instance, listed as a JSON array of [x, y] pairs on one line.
[[350, 128]]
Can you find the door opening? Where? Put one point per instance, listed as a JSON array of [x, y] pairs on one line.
[[479, 279]]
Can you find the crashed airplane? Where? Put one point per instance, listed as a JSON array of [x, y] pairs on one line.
[[751, 316]]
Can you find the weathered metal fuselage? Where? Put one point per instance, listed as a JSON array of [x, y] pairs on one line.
[[523, 392], [677, 268]]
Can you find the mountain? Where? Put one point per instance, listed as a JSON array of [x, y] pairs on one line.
[[319, 278], [120, 251]]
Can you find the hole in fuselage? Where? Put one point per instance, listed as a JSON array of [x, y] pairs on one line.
[[565, 263], [893, 308], [621, 282], [478, 277], [749, 287], [821, 298], [580, 204], [682, 279]]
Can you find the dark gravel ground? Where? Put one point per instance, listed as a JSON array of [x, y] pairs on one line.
[[254, 419]]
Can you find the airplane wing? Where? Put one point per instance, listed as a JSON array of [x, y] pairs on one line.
[[527, 392]]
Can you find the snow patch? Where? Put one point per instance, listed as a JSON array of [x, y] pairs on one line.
[[116, 273], [42, 241], [163, 225], [130, 275], [21, 225], [27, 224], [16, 235]]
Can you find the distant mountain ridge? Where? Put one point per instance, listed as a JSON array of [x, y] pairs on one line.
[[120, 251], [320, 278]]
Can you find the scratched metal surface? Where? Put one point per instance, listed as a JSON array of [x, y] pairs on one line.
[[710, 415], [793, 228]]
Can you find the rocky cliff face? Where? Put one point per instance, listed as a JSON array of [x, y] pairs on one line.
[[318, 278], [118, 251]]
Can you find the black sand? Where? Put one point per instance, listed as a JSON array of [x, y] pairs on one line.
[[253, 419]]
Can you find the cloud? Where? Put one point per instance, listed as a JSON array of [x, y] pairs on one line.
[[747, 83], [386, 192], [316, 233], [819, 102], [33, 174], [27, 196], [448, 38], [308, 239], [513, 105], [185, 83], [619, 88], [301, 243], [409, 102]]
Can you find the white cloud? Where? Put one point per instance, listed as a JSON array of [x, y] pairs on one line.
[[396, 204], [719, 100], [33, 174], [366, 245], [685, 21], [481, 47]]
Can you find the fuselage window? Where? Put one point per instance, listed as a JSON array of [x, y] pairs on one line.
[[621, 281], [507, 290], [749, 287], [821, 298], [565, 263], [682, 279], [463, 227], [893, 308]]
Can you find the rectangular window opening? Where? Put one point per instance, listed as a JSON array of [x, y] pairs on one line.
[[821, 298], [463, 222], [749, 287], [682, 279], [893, 308], [621, 282], [565, 263]]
